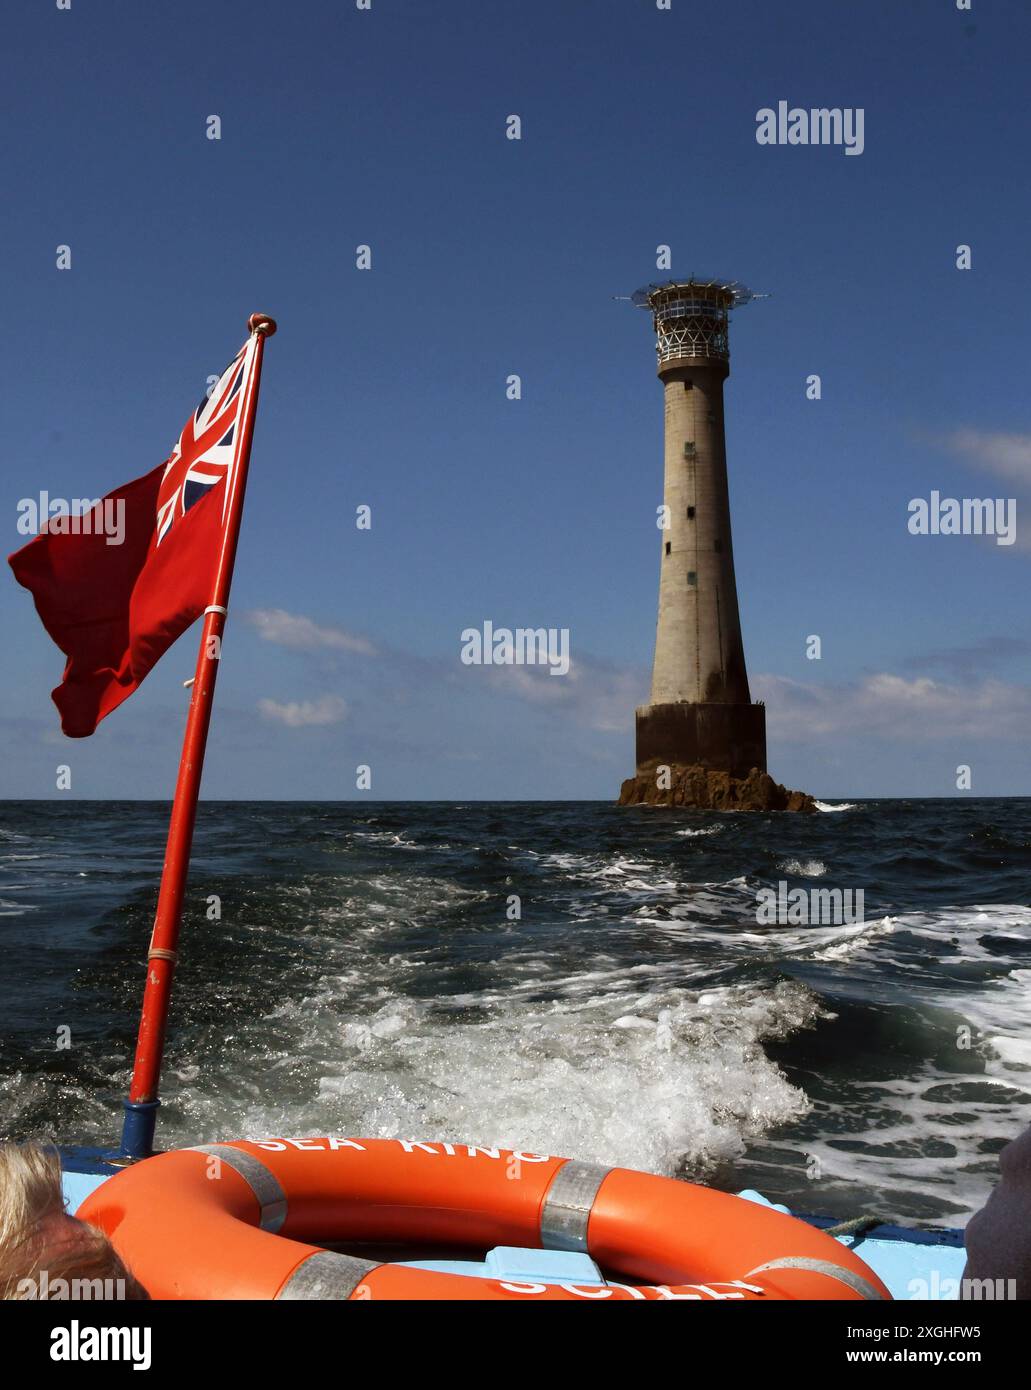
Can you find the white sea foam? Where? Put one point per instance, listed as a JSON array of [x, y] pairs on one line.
[[389, 838], [849, 941], [677, 1086], [936, 1130], [829, 806], [608, 1061], [804, 868], [9, 908]]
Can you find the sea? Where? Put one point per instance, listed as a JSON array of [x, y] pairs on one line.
[[576, 978]]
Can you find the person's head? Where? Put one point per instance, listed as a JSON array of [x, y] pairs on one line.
[[44, 1252]]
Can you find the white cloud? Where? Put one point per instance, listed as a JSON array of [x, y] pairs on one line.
[[304, 634], [304, 714], [896, 707], [1008, 455], [598, 696]]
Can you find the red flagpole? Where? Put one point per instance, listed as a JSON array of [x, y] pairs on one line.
[[141, 1107]]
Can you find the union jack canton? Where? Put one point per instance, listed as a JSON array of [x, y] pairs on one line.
[[206, 450]]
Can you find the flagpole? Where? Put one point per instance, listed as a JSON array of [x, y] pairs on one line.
[[142, 1105]]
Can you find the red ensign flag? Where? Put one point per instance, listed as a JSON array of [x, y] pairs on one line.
[[116, 587]]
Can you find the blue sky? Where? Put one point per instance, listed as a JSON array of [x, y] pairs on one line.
[[386, 387]]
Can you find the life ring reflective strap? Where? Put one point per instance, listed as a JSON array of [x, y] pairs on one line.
[[264, 1184], [567, 1205], [855, 1281], [325, 1275]]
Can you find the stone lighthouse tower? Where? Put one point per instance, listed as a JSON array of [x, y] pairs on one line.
[[701, 712]]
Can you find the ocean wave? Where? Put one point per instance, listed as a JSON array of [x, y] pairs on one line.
[[636, 1012], [9, 908], [616, 1065], [923, 1140]]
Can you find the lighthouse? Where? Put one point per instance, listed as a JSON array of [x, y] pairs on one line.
[[700, 712]]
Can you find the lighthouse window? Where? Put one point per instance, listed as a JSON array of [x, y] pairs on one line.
[[690, 513], [692, 578], [688, 385], [669, 547]]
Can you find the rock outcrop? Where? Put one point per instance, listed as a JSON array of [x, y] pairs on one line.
[[704, 789]]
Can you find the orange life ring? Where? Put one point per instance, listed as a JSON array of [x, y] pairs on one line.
[[237, 1220]]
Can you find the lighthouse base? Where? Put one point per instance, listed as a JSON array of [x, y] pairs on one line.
[[723, 738], [702, 789]]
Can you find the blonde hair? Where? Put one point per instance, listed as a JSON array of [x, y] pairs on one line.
[[31, 1266]]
